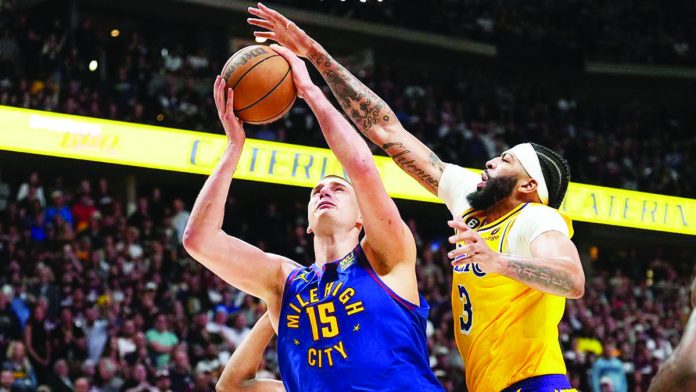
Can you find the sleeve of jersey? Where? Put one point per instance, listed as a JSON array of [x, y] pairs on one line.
[[534, 220], [455, 184]]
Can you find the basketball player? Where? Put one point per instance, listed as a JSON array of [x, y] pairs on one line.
[[514, 264], [678, 373], [353, 319], [240, 371]]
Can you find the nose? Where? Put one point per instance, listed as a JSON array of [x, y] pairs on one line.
[[325, 191], [490, 164]]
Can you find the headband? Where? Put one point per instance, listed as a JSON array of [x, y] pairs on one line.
[[529, 159]]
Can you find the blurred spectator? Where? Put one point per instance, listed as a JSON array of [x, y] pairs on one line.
[[161, 341], [18, 363], [180, 218], [60, 380], [608, 372], [38, 344]]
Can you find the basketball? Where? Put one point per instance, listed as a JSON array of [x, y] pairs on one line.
[[262, 82]]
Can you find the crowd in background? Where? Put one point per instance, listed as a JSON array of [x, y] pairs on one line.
[[633, 144], [626, 31], [94, 298]]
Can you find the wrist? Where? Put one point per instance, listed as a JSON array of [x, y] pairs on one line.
[[501, 264]]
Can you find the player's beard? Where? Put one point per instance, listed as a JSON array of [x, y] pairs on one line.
[[495, 190]]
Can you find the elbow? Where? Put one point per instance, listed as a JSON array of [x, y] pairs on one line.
[[189, 240], [192, 240], [226, 385], [578, 290]]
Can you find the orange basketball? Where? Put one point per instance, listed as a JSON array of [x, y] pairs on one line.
[[263, 87]]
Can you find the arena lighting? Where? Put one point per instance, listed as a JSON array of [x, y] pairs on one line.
[[93, 65], [261, 40], [115, 33], [91, 139]]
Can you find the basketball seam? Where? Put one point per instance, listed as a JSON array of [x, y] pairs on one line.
[[268, 93], [250, 68], [286, 106]]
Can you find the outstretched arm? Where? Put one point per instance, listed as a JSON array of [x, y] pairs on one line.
[[370, 114], [554, 266], [240, 372], [240, 264], [678, 372], [385, 232]]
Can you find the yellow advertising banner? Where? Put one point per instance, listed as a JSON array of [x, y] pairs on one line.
[[76, 137]]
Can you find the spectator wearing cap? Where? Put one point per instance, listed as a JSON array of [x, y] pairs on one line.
[[221, 333], [163, 383], [608, 366], [161, 341]]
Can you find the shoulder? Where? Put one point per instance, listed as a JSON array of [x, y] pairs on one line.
[[455, 184], [538, 218]]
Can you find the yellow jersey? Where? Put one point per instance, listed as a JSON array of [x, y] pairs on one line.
[[505, 331]]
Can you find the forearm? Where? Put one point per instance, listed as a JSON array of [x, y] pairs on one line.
[[373, 117], [208, 211], [553, 275], [239, 373], [679, 370], [370, 114], [350, 149]]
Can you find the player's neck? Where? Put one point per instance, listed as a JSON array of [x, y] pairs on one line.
[[328, 248], [501, 208]]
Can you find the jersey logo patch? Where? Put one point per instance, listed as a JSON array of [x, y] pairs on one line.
[[472, 222], [302, 276]]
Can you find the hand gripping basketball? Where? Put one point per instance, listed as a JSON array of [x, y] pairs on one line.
[[233, 126]]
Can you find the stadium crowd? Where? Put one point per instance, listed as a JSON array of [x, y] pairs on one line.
[[633, 144], [94, 298], [623, 31]]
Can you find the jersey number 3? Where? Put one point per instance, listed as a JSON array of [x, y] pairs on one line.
[[466, 320]]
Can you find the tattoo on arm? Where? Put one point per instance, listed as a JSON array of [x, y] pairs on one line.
[[360, 103], [558, 282], [404, 161]]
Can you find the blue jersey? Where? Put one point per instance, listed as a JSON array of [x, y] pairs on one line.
[[342, 328]]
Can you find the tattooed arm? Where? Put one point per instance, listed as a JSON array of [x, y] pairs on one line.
[[554, 266], [370, 114]]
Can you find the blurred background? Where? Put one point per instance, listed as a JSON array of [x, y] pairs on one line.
[[97, 293]]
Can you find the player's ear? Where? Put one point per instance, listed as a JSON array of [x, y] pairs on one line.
[[359, 223], [528, 186]]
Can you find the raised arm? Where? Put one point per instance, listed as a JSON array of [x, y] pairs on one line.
[[370, 114], [240, 372], [240, 264], [385, 232]]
